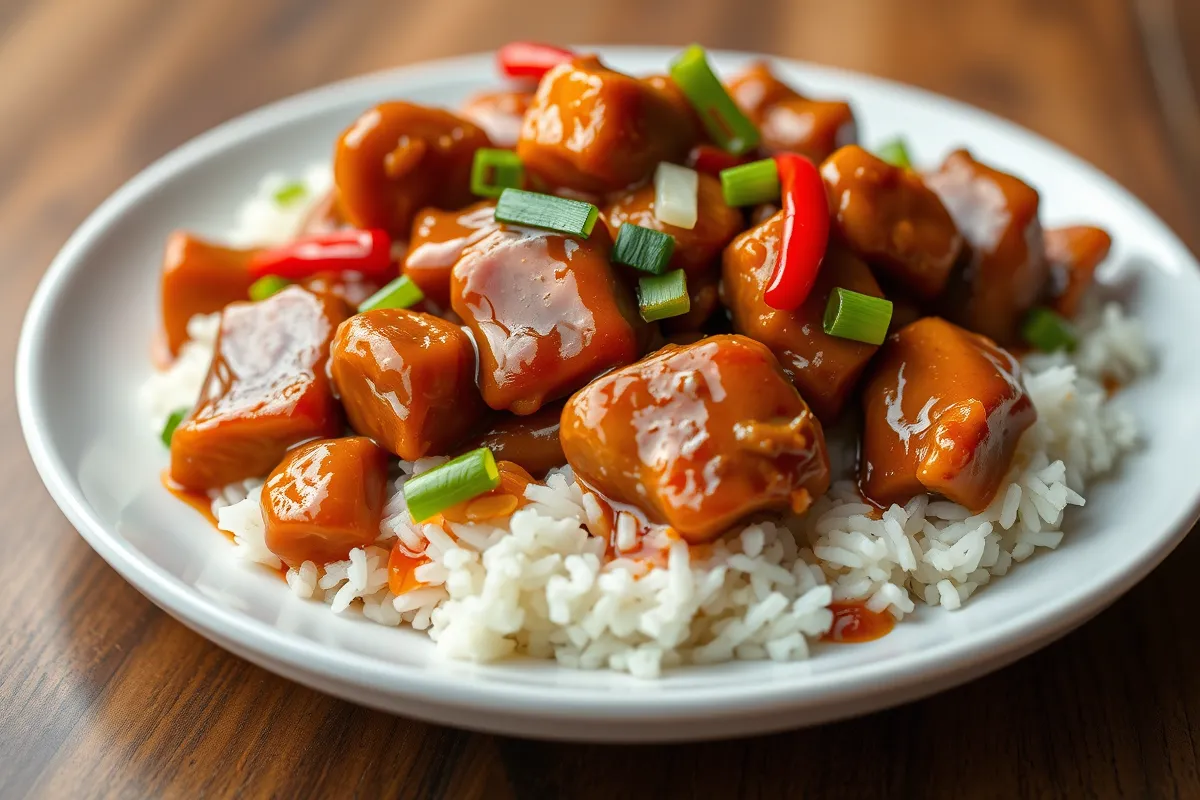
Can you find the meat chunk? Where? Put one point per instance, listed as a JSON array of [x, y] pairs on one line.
[[266, 390], [593, 129], [407, 380], [530, 442], [1074, 253], [547, 312], [400, 157], [788, 121], [824, 368], [944, 409], [325, 499], [199, 277], [438, 239], [1007, 270], [499, 114], [890, 217], [698, 437]]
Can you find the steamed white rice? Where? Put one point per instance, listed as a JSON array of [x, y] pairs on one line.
[[539, 584]]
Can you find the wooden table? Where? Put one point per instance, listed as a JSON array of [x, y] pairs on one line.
[[102, 694]]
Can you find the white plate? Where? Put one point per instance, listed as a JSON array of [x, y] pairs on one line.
[[84, 350]]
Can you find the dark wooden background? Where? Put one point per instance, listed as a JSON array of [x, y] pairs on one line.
[[103, 695]]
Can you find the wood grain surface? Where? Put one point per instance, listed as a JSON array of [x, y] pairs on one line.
[[101, 694]]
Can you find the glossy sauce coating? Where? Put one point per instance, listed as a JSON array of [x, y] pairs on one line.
[[407, 380], [824, 368], [698, 437], [530, 442], [438, 239], [597, 130], [400, 157], [1006, 271], [547, 313], [499, 114], [199, 277], [325, 499], [1074, 253], [889, 217], [266, 390], [788, 121], [943, 410]]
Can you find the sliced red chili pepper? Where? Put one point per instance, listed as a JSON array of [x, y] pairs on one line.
[[530, 59], [711, 159], [805, 232], [367, 252]]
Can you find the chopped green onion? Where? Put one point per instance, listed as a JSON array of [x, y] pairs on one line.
[[266, 286], [172, 423], [751, 184], [290, 193], [725, 122], [662, 296], [643, 248], [460, 479], [1047, 331], [676, 195], [400, 293], [896, 154], [861, 317], [493, 171], [547, 211]]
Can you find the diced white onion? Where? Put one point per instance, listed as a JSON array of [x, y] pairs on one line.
[[675, 190]]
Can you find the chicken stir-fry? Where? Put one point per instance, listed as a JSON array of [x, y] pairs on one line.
[[671, 285]]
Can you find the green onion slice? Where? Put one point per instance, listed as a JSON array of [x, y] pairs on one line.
[[643, 248], [895, 153], [1047, 331], [467, 476], [662, 296], [172, 423], [751, 184], [493, 171], [290, 193], [861, 317], [546, 211], [400, 293], [725, 122], [266, 286]]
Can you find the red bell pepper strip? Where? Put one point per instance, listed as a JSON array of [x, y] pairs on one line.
[[711, 160], [805, 232], [530, 59], [368, 252]]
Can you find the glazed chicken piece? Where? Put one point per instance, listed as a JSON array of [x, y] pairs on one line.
[[266, 390], [407, 380], [547, 313], [325, 499], [499, 114], [438, 239], [593, 129], [1007, 270], [398, 158], [788, 121], [696, 250], [698, 437], [824, 368], [943, 410], [1074, 253], [199, 277], [890, 218], [530, 442]]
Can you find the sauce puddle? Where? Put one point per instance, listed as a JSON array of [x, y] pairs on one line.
[[854, 623]]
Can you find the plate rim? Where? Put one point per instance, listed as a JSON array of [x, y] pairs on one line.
[[959, 658]]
